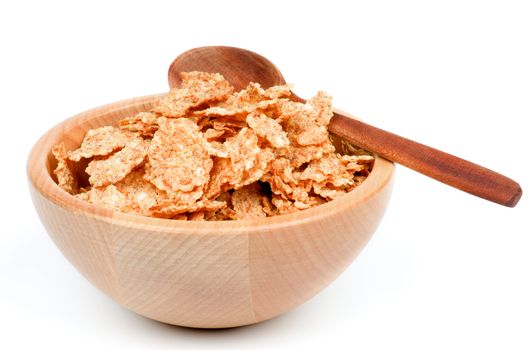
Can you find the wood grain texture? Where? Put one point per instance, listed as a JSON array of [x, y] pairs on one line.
[[241, 66], [202, 274]]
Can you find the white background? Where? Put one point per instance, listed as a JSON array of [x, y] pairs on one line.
[[445, 270]]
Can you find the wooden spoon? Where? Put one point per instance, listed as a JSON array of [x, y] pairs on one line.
[[240, 67]]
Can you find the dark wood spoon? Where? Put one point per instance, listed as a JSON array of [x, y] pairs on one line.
[[240, 67]]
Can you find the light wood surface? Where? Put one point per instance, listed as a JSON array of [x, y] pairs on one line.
[[241, 66], [202, 274]]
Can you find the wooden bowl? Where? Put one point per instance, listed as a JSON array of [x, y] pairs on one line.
[[202, 274]]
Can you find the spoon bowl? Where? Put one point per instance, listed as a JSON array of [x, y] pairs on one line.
[[240, 67]]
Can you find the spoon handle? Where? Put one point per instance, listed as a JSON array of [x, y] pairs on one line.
[[441, 166]]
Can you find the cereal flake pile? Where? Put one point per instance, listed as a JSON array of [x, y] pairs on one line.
[[206, 152]]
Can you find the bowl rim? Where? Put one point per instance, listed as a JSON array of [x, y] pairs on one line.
[[40, 180]]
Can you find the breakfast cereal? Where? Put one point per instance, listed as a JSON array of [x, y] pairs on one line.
[[205, 152], [100, 142], [64, 170]]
